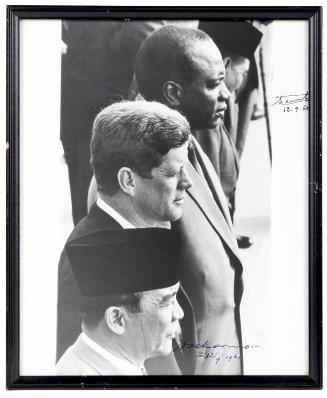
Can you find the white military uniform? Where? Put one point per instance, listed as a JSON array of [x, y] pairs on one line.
[[87, 358]]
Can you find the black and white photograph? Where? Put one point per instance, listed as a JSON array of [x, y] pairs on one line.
[[164, 195]]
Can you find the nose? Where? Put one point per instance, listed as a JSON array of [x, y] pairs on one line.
[[185, 180], [224, 93], [178, 313]]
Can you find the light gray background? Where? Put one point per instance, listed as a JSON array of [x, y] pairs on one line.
[[274, 305]]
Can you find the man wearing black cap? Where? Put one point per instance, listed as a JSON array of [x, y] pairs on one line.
[[127, 283], [138, 154], [224, 144], [183, 68]]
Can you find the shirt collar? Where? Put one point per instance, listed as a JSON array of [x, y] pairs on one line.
[[114, 214], [126, 367]]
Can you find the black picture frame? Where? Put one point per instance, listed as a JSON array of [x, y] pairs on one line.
[[314, 379]]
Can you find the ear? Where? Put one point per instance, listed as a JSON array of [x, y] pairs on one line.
[[126, 180], [172, 93], [227, 62], [115, 318]]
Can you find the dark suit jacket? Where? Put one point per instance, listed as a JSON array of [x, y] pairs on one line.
[[211, 271], [68, 316]]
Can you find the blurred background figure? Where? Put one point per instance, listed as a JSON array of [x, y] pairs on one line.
[[86, 87], [224, 144], [97, 69]]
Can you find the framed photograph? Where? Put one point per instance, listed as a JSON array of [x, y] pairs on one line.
[[247, 82]]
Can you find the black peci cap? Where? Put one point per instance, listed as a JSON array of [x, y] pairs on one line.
[[125, 261], [239, 37]]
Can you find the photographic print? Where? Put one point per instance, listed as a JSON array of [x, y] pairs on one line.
[[166, 218]]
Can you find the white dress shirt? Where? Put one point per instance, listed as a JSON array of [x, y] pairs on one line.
[[114, 214]]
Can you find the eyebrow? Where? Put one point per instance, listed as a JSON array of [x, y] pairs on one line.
[[220, 76], [168, 297], [174, 169]]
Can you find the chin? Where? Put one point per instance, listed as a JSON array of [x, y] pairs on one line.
[[177, 214], [214, 123], [211, 125], [176, 217], [165, 349]]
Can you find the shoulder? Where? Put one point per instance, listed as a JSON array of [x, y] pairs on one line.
[[70, 364], [96, 220]]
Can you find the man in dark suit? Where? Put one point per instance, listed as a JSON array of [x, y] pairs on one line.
[[129, 312], [87, 85], [138, 155], [184, 69], [97, 69]]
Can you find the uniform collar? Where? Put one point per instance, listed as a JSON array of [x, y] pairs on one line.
[[123, 366]]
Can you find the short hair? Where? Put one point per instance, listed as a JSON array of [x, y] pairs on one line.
[[234, 57], [92, 309], [165, 55], [136, 135]]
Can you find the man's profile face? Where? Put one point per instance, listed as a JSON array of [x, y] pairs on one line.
[[203, 101], [157, 324], [236, 73], [160, 197]]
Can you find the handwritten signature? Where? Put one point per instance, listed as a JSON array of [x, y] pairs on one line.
[[185, 345], [216, 352], [291, 99]]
